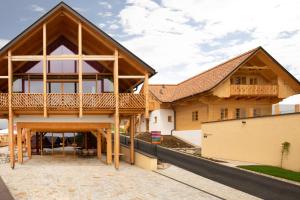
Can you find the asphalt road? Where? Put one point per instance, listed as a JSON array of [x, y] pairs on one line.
[[256, 185]]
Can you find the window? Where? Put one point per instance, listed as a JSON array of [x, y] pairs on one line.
[[239, 80], [224, 113], [256, 112], [240, 113], [169, 118], [155, 120], [195, 116], [253, 81]]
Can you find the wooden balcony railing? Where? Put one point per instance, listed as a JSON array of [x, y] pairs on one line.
[[26, 101], [70, 102], [62, 101], [98, 101], [130, 101], [3, 101], [252, 90]]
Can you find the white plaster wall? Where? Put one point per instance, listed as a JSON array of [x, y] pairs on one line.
[[65, 118], [162, 121], [143, 125], [193, 137]]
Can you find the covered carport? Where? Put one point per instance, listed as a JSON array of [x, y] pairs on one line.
[[25, 130]]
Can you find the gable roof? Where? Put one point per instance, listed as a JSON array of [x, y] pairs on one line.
[[62, 5], [205, 81]]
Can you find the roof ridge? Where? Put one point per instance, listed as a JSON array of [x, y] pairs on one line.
[[219, 65]]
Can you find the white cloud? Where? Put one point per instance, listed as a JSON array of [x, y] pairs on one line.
[[182, 38], [101, 25], [37, 8], [105, 4], [105, 14], [81, 10], [3, 42], [114, 26]]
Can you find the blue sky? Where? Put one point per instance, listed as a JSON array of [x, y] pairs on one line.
[[180, 38]]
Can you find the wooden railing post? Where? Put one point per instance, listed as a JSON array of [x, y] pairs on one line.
[[10, 113], [116, 92], [45, 68], [80, 67], [146, 93]]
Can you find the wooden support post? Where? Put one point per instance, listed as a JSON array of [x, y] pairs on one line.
[[41, 139], [277, 109], [297, 107], [85, 141], [74, 144], [28, 143], [146, 93], [132, 131], [10, 113], [63, 145], [99, 152], [251, 112], [20, 148], [80, 68], [108, 147], [117, 119], [52, 144], [37, 143], [45, 69]]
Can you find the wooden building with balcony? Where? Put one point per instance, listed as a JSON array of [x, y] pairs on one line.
[[244, 86], [63, 74]]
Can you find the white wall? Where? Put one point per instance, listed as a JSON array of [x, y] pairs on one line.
[[162, 121], [193, 137]]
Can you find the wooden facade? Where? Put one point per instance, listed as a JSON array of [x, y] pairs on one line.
[[63, 65], [245, 86]]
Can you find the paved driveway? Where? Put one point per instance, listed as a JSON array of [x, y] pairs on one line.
[[69, 178]]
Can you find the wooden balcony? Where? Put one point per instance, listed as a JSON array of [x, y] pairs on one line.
[[102, 103], [254, 90]]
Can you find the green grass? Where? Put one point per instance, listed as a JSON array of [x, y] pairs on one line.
[[274, 171]]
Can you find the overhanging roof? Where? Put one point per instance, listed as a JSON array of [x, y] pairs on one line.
[[210, 79]]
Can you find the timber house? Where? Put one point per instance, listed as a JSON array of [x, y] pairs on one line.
[[244, 86], [64, 75]]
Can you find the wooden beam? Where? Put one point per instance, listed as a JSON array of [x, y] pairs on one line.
[[80, 67], [52, 144], [45, 69], [108, 147], [98, 57], [146, 93], [132, 131], [62, 57], [10, 113], [131, 77], [41, 142], [27, 58], [116, 92], [63, 145], [255, 67], [28, 143], [3, 77], [20, 147], [99, 141]]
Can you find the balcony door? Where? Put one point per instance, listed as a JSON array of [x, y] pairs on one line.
[[62, 87]]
